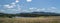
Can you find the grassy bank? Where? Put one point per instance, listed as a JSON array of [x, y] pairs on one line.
[[31, 20]]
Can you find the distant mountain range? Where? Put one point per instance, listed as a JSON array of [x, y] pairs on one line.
[[45, 13], [39, 14], [31, 14]]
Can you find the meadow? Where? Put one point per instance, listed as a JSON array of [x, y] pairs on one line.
[[52, 19]]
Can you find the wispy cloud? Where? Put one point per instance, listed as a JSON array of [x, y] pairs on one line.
[[42, 9], [51, 9], [17, 1], [28, 0], [32, 8], [12, 8], [54, 8], [12, 5]]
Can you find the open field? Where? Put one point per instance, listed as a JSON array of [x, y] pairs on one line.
[[55, 19]]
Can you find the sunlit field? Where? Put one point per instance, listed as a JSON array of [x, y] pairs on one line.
[[52, 19]]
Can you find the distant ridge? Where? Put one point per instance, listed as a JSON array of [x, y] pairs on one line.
[[31, 14], [34, 14]]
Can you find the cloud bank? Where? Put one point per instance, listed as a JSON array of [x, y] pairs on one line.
[[13, 8]]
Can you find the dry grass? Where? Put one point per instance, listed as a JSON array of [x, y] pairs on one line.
[[31, 20]]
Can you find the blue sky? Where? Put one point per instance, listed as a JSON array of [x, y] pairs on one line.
[[17, 6]]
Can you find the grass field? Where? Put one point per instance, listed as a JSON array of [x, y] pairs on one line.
[[52, 19]]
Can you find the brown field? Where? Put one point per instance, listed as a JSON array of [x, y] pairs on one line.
[[55, 19]]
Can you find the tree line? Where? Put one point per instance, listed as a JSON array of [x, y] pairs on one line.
[[27, 15]]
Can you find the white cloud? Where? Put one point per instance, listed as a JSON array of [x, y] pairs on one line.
[[29, 0], [12, 5], [53, 8], [32, 8], [40, 9], [12, 8], [8, 6], [26, 11], [18, 8], [16, 1], [37, 9]]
